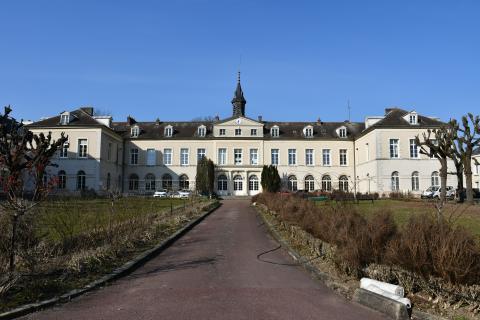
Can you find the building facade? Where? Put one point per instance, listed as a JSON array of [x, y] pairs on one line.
[[377, 155]]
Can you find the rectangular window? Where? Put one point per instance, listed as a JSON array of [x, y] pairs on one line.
[[253, 132], [413, 149], [64, 119], [82, 148], [342, 133], [292, 157], [222, 156], [167, 156], [394, 149], [343, 157], [133, 156], [221, 132], [184, 157], [309, 157], [238, 132], [237, 156], [151, 157], [200, 154], [253, 157], [64, 150], [275, 157], [326, 157]]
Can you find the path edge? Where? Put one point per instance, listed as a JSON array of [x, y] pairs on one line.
[[121, 271]]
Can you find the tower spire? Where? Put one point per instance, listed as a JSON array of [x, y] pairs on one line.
[[238, 100]]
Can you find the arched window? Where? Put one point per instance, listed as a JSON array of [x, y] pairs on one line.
[[326, 183], [108, 180], [415, 181], [395, 181], [133, 182], [275, 131], [343, 183], [81, 180], [62, 179], [184, 183], [292, 183], [222, 184], [150, 182], [253, 183], [167, 181], [237, 183], [309, 183], [435, 179]]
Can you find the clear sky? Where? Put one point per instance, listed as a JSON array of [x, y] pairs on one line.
[[300, 60]]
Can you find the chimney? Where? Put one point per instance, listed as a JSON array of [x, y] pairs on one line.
[[88, 110], [217, 118], [157, 122], [319, 121], [260, 118]]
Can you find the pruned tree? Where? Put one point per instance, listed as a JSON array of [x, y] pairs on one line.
[[271, 181], [467, 139], [24, 157], [438, 143], [205, 178]]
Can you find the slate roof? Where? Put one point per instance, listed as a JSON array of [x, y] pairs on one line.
[[394, 119], [183, 130], [78, 118]]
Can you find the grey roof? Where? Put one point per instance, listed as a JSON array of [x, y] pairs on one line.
[[77, 118], [288, 130]]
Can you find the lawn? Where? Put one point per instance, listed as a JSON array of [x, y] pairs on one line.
[[464, 215], [57, 218]]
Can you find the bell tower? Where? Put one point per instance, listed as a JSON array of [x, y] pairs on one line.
[[238, 100]]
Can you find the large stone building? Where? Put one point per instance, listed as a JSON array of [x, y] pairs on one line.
[[377, 155]]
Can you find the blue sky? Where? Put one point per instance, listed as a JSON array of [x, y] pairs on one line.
[[300, 60]]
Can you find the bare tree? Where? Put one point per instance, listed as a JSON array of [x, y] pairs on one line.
[[438, 143], [466, 141], [24, 156]]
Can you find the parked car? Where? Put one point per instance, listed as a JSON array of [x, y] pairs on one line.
[[160, 194], [450, 194], [182, 194], [429, 193]]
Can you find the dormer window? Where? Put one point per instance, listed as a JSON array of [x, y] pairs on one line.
[[134, 131], [308, 132], [202, 131], [275, 131], [168, 131], [342, 132], [65, 118], [413, 118]]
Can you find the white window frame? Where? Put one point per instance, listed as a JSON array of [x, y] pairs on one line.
[[170, 156], [394, 148], [414, 154], [202, 131], [343, 157], [65, 119], [326, 157], [275, 131], [308, 132], [200, 154], [151, 157], [222, 156], [135, 131], [168, 131], [309, 157], [275, 157], [395, 181], [238, 132], [292, 157], [134, 155], [415, 181], [82, 154], [253, 156], [238, 161], [184, 156], [253, 132], [342, 132], [64, 150], [222, 132], [413, 118], [253, 184]]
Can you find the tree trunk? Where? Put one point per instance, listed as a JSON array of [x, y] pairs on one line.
[[461, 194], [12, 243], [468, 178], [443, 180]]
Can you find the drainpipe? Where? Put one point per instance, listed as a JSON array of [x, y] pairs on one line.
[[354, 171]]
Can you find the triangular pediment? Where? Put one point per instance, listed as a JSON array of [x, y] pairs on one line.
[[239, 121]]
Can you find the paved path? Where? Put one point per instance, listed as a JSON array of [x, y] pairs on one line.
[[213, 273]]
